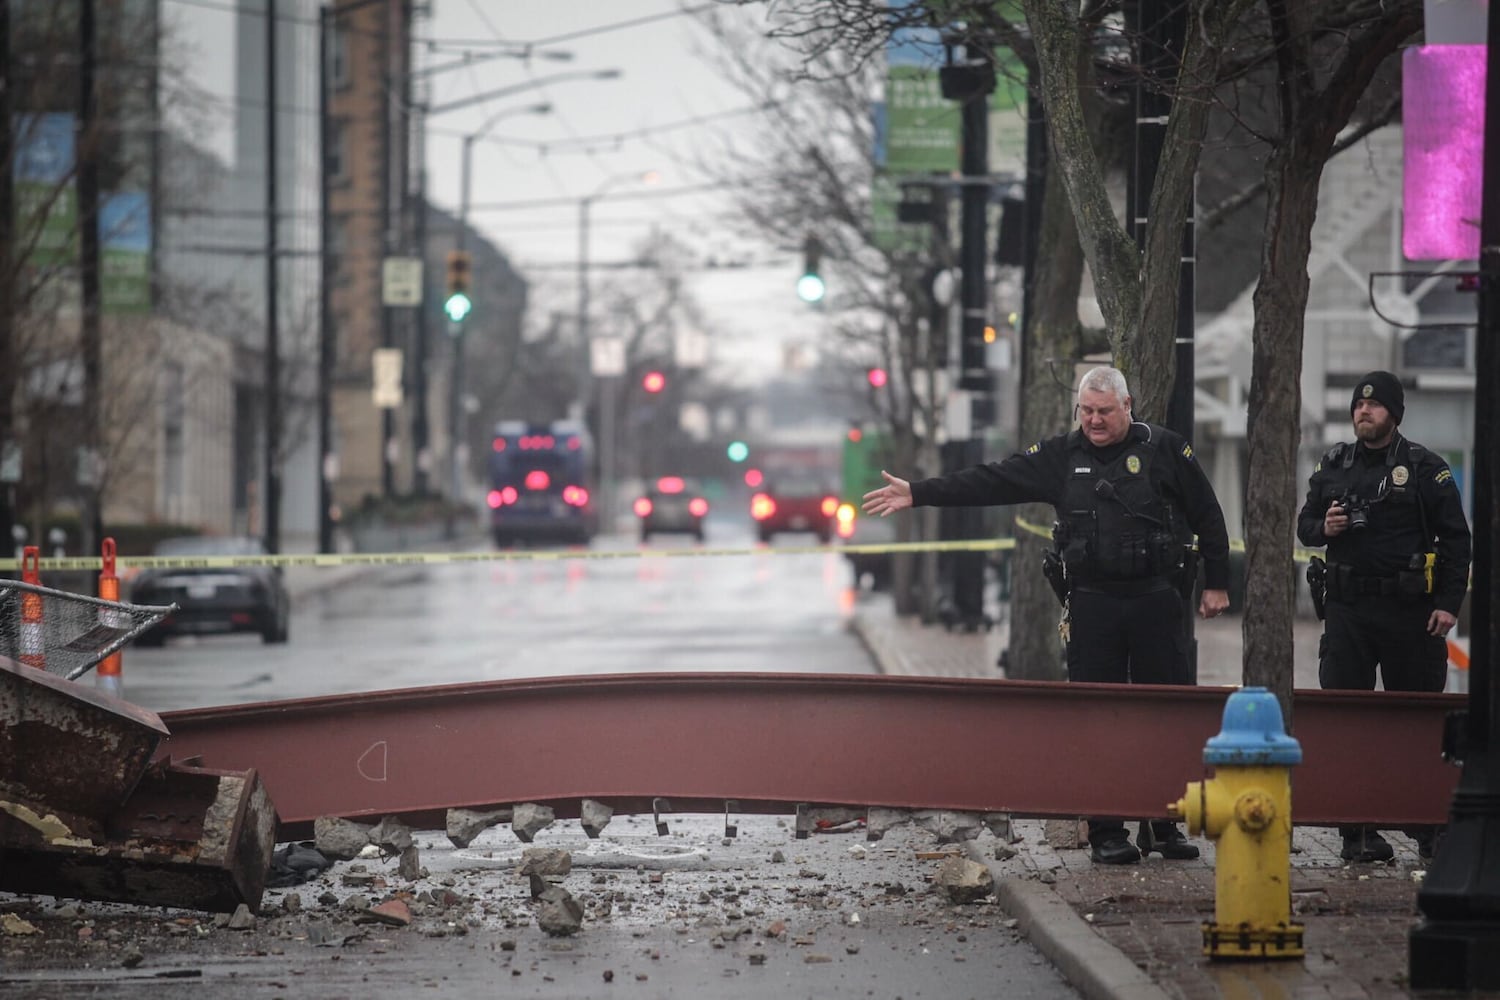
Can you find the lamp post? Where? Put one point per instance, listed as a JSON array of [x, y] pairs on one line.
[[606, 381], [456, 327]]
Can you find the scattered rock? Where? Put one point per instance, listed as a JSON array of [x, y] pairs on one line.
[[757, 958], [339, 838], [950, 827], [394, 912], [391, 834], [14, 926], [594, 817], [243, 919], [1004, 852], [466, 824], [545, 861], [131, 958], [1069, 834], [292, 903], [410, 867], [963, 880], [560, 914], [528, 819], [816, 959]]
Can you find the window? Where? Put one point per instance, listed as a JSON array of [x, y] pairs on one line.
[[335, 157], [338, 59]]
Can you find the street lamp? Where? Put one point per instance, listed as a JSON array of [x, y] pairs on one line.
[[606, 381]]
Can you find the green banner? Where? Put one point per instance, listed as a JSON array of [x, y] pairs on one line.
[[892, 235], [125, 252], [46, 203]]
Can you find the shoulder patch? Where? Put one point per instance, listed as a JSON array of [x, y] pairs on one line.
[[1443, 476], [1318, 468], [1034, 448], [1187, 451]]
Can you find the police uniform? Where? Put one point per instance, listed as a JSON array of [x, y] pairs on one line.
[[1125, 514], [1379, 599], [1124, 517], [1404, 553]]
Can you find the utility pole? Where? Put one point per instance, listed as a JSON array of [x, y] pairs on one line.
[[971, 81], [88, 273], [1457, 944], [272, 498], [327, 272], [8, 446]]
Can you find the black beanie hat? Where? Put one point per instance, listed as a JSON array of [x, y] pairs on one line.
[[1385, 389]]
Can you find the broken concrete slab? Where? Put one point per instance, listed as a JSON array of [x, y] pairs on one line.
[[340, 838], [545, 861], [963, 880], [594, 817]]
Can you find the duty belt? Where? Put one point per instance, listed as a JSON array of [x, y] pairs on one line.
[[1343, 584], [1124, 588]]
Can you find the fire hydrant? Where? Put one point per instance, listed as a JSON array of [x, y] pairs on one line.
[[1247, 808]]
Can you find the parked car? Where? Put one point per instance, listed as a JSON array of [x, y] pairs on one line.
[[673, 504], [215, 599], [794, 502]]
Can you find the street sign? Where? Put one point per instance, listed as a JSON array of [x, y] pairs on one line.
[[401, 281], [690, 349], [607, 357], [385, 368]]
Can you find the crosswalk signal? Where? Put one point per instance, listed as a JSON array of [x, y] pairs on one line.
[[810, 287], [460, 274]]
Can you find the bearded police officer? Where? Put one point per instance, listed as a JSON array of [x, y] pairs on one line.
[[1128, 496], [1398, 563]]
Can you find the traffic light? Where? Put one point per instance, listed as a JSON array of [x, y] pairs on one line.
[[877, 377], [738, 451], [458, 304], [810, 287], [653, 382]]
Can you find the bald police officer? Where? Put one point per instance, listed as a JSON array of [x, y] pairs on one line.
[[1127, 494], [1398, 563]]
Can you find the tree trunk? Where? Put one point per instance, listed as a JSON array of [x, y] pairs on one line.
[[1271, 500], [1052, 345]]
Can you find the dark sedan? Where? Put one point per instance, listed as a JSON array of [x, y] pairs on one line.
[[672, 504], [217, 598]]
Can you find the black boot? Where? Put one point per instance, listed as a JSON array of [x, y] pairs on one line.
[[1165, 839], [1115, 852]]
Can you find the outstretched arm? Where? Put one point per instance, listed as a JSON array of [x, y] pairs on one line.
[[893, 496]]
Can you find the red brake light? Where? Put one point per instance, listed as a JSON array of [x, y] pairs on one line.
[[762, 506], [537, 479], [830, 506], [643, 507], [499, 444], [494, 499], [670, 484], [698, 506], [509, 495], [753, 478], [575, 496], [574, 443]]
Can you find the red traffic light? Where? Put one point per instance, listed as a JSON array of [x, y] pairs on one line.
[[877, 377], [654, 382]]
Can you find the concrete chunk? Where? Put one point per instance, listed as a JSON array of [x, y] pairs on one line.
[[963, 880], [466, 824], [410, 867], [340, 838], [950, 827], [545, 861], [879, 820], [594, 817], [560, 914], [391, 835], [528, 819]]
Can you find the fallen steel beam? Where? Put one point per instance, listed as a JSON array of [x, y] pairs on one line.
[[85, 813], [771, 741]]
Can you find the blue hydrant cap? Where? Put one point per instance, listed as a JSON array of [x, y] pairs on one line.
[[1253, 734]]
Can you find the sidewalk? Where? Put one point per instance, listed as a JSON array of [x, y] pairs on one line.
[[1134, 931]]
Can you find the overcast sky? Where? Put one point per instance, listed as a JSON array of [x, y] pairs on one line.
[[600, 132]]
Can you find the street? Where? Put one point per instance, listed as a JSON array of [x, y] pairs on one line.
[[404, 627]]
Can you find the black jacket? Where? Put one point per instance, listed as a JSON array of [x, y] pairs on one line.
[[1414, 507], [1041, 474]]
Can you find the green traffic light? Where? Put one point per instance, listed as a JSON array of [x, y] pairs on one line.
[[457, 306], [810, 288], [738, 451]]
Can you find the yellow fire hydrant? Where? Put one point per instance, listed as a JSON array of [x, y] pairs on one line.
[[1247, 808]]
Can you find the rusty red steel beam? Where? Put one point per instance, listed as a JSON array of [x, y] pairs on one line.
[[771, 741]]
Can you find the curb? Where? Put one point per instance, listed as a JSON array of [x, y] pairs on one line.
[[1096, 968]]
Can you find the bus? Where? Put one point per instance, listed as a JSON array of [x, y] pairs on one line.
[[541, 483]]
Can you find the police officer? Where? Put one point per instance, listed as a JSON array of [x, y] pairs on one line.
[[1398, 564], [1126, 495]]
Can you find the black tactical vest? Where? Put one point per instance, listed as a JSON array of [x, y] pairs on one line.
[[1112, 525]]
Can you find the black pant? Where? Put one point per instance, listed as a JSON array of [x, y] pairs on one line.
[[1117, 639], [1139, 639], [1391, 632]]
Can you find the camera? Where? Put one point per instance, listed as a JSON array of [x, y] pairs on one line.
[[1357, 510]]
